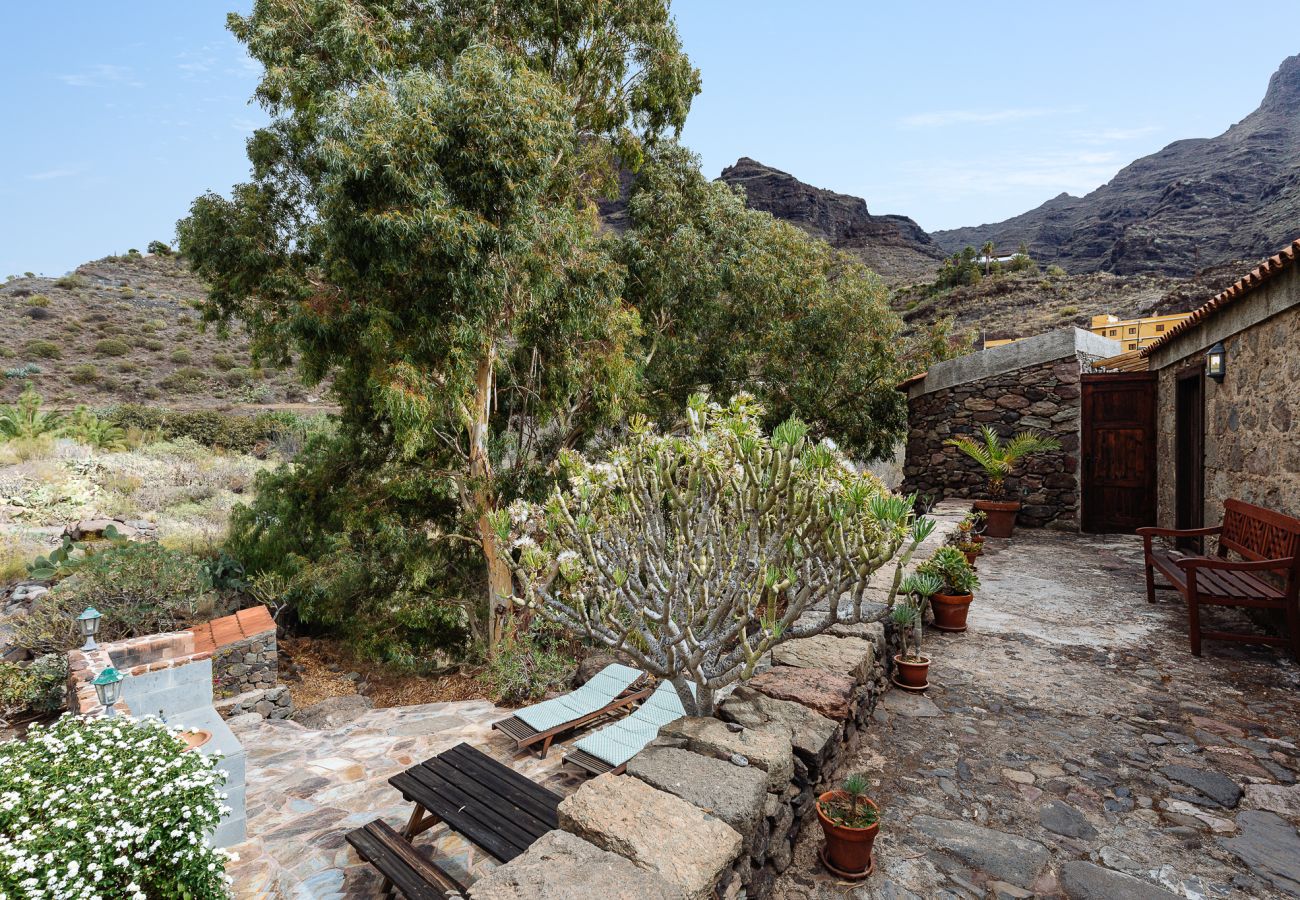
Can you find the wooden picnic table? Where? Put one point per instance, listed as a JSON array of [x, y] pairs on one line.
[[486, 801]]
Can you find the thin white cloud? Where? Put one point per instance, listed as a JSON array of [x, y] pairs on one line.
[[1073, 171], [51, 174], [1114, 135], [102, 75], [945, 118]]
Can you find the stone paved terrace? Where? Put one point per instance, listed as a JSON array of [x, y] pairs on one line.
[[308, 788], [1071, 746]]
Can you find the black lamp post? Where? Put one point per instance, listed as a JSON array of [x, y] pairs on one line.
[[1216, 362]]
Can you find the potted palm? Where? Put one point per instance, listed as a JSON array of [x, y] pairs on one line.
[[998, 459], [952, 601], [850, 821], [908, 616]]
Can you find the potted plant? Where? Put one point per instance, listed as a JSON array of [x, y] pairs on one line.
[[952, 601], [998, 459], [850, 822], [908, 615]]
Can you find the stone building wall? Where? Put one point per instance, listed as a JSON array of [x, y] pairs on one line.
[[1044, 396], [1252, 419]]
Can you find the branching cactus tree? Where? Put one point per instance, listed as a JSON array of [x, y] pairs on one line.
[[695, 554]]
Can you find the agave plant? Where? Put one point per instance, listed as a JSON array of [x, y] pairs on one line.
[[998, 457], [25, 421], [909, 614]]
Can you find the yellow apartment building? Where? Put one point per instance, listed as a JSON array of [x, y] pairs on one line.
[[1135, 334]]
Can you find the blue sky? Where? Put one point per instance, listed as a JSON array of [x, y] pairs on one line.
[[118, 115]]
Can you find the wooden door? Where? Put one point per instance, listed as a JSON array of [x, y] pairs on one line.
[[1189, 453], [1118, 445]]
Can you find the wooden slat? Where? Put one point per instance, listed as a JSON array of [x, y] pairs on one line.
[[506, 782], [516, 729], [394, 858], [486, 796], [584, 760], [467, 814]]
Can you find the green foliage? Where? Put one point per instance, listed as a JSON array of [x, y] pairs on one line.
[[25, 421], [108, 807], [211, 428], [71, 282], [38, 300], [852, 810], [948, 564], [222, 573], [84, 374], [23, 371], [182, 355], [42, 350], [223, 361], [159, 248], [37, 687], [112, 347], [71, 555], [1069, 311], [140, 588], [997, 457], [1055, 271], [185, 380], [528, 666], [335, 527], [733, 299], [90, 429], [959, 269]]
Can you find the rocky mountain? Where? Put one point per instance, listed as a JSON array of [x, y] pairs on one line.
[[1195, 203], [895, 246]]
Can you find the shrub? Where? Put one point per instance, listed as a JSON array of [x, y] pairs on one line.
[[112, 347], [236, 377], [38, 687], [182, 357], [208, 427], [6, 353], [41, 350], [25, 421], [128, 365], [37, 313], [1067, 311], [151, 344], [223, 361], [108, 807], [139, 588], [527, 666], [1056, 272], [70, 282], [84, 374], [158, 248], [23, 371], [87, 428], [775, 528], [38, 300], [185, 380]]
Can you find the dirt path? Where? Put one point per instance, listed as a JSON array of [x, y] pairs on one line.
[[1072, 747]]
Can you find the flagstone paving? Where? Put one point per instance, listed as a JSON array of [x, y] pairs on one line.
[[1072, 747], [307, 789]]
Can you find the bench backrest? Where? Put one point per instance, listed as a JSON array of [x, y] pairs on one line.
[[1258, 533]]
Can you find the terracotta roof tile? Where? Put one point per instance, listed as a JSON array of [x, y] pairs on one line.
[[1257, 276]]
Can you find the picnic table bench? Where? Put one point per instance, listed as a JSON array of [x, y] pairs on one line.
[[1267, 578], [489, 803]]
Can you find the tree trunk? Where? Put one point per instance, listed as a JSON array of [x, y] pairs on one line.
[[499, 582], [698, 704]]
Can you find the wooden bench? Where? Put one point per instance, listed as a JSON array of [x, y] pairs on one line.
[[1269, 544], [402, 866]]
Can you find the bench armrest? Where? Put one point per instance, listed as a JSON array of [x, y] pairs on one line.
[[1149, 531], [1211, 562]]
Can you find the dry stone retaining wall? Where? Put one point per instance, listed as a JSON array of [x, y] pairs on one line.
[[713, 806]]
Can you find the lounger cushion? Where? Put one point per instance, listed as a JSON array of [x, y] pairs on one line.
[[624, 739], [607, 684]]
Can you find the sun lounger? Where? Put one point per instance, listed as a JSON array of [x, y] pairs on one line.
[[610, 748], [613, 688]]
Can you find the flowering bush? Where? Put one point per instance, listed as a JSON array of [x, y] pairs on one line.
[[695, 554], [108, 808]]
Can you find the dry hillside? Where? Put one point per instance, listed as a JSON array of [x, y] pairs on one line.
[[126, 329]]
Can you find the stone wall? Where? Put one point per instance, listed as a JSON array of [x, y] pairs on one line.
[[713, 806], [1252, 419], [245, 664], [1044, 395]]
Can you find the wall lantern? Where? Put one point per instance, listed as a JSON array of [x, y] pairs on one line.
[[88, 622], [108, 687], [1216, 362]]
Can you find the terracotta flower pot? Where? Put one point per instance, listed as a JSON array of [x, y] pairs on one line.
[[195, 739], [950, 611], [913, 674], [1001, 516], [970, 558], [848, 850]]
